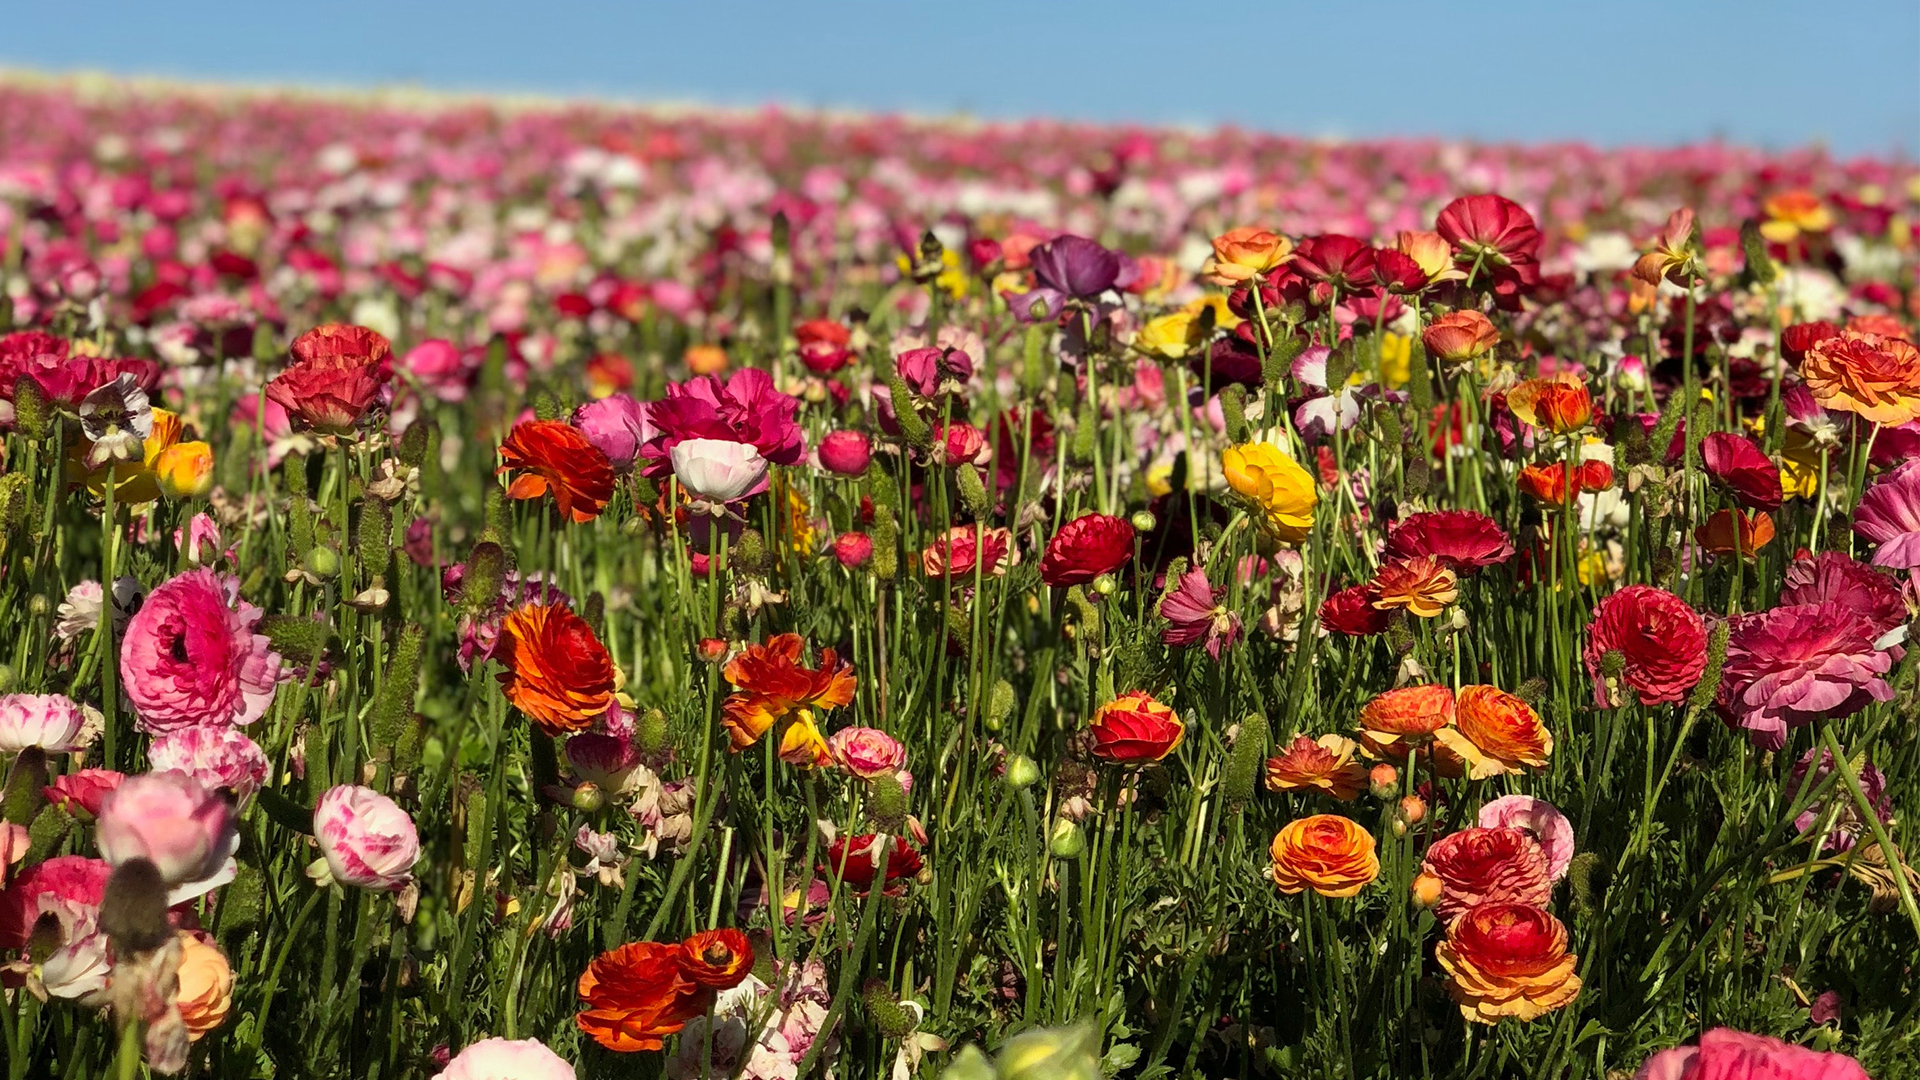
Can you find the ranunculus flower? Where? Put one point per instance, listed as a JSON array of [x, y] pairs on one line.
[[1463, 541], [206, 984], [507, 1059], [1508, 961], [745, 408], [1459, 336], [1495, 239], [1889, 515], [1420, 586], [1075, 267], [1872, 376], [441, 368], [74, 881], [49, 722], [957, 551], [867, 752], [846, 453], [550, 456], [337, 374], [1133, 729], [852, 860], [366, 840], [1847, 825], [1726, 1054], [191, 657], [1539, 819], [1797, 339], [1397, 719], [1194, 612], [184, 470], [719, 471], [1495, 732], [1792, 665], [1334, 261], [1735, 532], [557, 671], [1327, 853], [1350, 611], [852, 549], [774, 688], [1243, 253], [929, 369], [617, 426], [716, 959], [1276, 485], [1085, 548], [636, 995], [1831, 575], [218, 757], [1736, 462], [81, 793], [1560, 483], [170, 819], [822, 345], [1326, 764], [609, 762], [1561, 404], [1488, 866], [1661, 642]]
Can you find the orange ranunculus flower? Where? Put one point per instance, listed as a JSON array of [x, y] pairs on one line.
[[1421, 586], [1873, 376], [1327, 853], [184, 470], [1875, 323], [1326, 765], [1398, 719], [705, 359], [1561, 404], [717, 959], [1495, 732], [557, 673], [1508, 960], [1460, 335], [1672, 254], [1560, 484], [1432, 254], [1791, 213], [1133, 729], [1735, 532], [637, 995], [551, 456], [773, 688], [206, 984], [1245, 253]]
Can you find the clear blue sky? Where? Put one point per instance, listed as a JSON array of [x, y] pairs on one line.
[[1844, 72]]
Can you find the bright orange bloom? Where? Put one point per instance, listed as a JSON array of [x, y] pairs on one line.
[[717, 959], [1561, 404], [1397, 719], [1326, 765], [1508, 960], [1873, 376], [1419, 585], [773, 688], [638, 994], [552, 456], [1460, 335], [1244, 253], [1495, 732], [706, 359], [1735, 532], [1559, 484], [1327, 853], [557, 673], [1791, 213]]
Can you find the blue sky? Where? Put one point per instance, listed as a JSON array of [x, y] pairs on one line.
[[1843, 72]]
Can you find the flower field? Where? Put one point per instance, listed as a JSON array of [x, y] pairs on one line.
[[535, 592]]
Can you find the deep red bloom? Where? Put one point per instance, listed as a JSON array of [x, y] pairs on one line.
[[1736, 462], [823, 345], [1343, 262], [1661, 641], [1490, 228], [1350, 611], [337, 374], [852, 861], [64, 379], [1798, 339], [1461, 540], [1397, 272], [1085, 548]]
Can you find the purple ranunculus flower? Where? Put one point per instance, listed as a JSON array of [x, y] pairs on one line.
[[1075, 266]]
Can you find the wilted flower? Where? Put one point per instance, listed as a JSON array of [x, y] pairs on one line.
[[1194, 613], [1847, 825]]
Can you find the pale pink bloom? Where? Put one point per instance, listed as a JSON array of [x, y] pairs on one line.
[[79, 613], [507, 1059], [218, 757], [1540, 818], [50, 722], [367, 840], [1194, 612], [1726, 1054], [191, 656], [866, 752], [173, 821], [719, 471]]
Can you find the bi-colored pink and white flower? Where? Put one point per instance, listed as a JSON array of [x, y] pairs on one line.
[[170, 819], [366, 840], [49, 722]]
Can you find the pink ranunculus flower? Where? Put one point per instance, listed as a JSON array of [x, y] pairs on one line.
[[81, 793], [1726, 1054], [440, 368], [867, 752], [507, 1059], [200, 541], [50, 722], [1540, 818], [718, 471], [1889, 515], [173, 821], [617, 425], [745, 408], [191, 656], [1791, 665], [366, 839], [69, 888], [1195, 612], [610, 762], [218, 757], [846, 453]]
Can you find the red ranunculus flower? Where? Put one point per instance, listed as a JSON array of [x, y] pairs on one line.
[[1798, 339], [1461, 540], [1661, 641], [1341, 262], [337, 374], [1496, 235], [1085, 548], [852, 861], [1736, 462], [823, 345], [1488, 866], [1350, 611], [552, 456], [1133, 729]]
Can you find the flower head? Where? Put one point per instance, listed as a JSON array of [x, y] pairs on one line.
[[1737, 463], [1133, 729], [867, 752], [1327, 853], [1075, 267], [1243, 253], [1870, 375], [1275, 485], [172, 821], [1419, 586], [1496, 733], [550, 456], [1792, 665], [49, 722], [191, 656], [637, 994], [719, 471], [745, 408], [858, 860], [205, 993], [1561, 404], [216, 755], [1396, 719], [1463, 541], [507, 1059], [1508, 960], [1888, 514], [1194, 612], [956, 552], [1326, 764], [773, 688], [557, 671], [337, 375], [1085, 548], [1539, 819], [1726, 1054], [617, 426], [1488, 866], [367, 841], [1460, 336], [1661, 643]]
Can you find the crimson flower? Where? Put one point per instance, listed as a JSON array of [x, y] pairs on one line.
[[1660, 641], [1461, 540], [1085, 548], [1736, 462]]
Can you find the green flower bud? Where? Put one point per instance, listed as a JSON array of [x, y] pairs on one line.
[[1244, 761], [1022, 771], [50, 826], [296, 638], [416, 445], [1589, 878], [894, 1019], [32, 413], [1143, 521], [322, 562], [1034, 368], [1067, 840], [653, 735], [486, 570], [973, 492], [1233, 406], [588, 798], [548, 406], [1000, 704], [1106, 584]]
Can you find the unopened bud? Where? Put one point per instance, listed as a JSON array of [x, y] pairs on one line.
[[1106, 585], [322, 562], [1426, 890], [1413, 808], [588, 797], [886, 802], [1143, 521], [652, 735], [1022, 771], [894, 1019], [1383, 781], [1000, 703], [1067, 840]]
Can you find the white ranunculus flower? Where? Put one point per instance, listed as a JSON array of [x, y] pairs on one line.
[[718, 471]]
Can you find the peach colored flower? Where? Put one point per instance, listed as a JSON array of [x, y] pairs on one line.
[[1327, 853], [1245, 253], [1870, 375], [1495, 732], [1420, 586], [1326, 765], [1508, 960]]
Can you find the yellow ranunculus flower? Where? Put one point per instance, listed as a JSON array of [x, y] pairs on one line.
[[133, 481], [1169, 337], [1277, 485], [1799, 466], [1396, 360], [184, 470]]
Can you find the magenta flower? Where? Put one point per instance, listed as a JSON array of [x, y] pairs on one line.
[[1463, 541], [1889, 515], [186, 831], [366, 840], [928, 370], [1856, 586], [1726, 1054], [616, 425], [1194, 612], [1792, 665], [218, 757], [846, 453], [191, 656], [441, 368], [1846, 823], [746, 408]]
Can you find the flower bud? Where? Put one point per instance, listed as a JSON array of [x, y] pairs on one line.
[[322, 562], [1106, 585], [886, 802], [1000, 703], [1426, 890], [1244, 760], [588, 797], [185, 470], [1143, 521], [1413, 808], [653, 736], [1383, 781], [1066, 841], [31, 413], [1022, 771], [894, 1019]]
